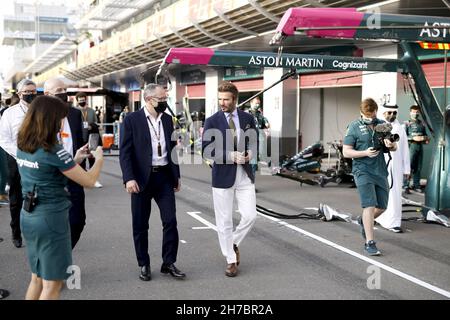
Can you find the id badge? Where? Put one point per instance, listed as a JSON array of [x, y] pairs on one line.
[[85, 125]]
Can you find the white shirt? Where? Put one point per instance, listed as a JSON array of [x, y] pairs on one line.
[[67, 141], [159, 128], [10, 124], [235, 116]]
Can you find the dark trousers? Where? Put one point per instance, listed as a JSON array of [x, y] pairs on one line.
[[91, 163], [160, 188], [77, 213], [15, 197], [416, 158], [3, 171]]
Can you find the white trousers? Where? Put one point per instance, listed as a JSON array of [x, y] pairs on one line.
[[244, 190]]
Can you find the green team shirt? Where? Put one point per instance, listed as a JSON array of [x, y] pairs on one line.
[[414, 128], [44, 170], [361, 137]]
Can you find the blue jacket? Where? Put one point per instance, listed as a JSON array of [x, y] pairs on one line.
[[218, 146], [74, 118], [136, 149]]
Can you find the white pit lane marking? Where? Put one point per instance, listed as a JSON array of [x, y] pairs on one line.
[[342, 249]]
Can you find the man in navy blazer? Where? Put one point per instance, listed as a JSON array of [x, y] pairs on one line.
[[230, 138], [150, 170], [73, 141]]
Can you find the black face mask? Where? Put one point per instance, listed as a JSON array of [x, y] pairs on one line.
[[28, 98], [62, 96], [161, 107], [82, 104]]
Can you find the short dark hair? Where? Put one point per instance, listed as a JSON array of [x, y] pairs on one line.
[[80, 95], [42, 124], [229, 87], [414, 107], [368, 106]]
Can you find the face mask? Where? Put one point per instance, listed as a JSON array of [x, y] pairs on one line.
[[161, 107], [28, 98], [82, 104], [62, 96], [414, 115], [367, 121]]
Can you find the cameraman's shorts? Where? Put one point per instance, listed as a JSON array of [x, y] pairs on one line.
[[373, 195]]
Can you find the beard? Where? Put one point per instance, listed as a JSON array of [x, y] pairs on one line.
[[392, 119]]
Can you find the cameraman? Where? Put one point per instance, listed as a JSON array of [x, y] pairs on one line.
[[363, 144]]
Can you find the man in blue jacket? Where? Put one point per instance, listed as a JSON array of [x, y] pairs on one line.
[[230, 138], [150, 171]]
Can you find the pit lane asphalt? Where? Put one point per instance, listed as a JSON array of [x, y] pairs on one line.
[[277, 262]]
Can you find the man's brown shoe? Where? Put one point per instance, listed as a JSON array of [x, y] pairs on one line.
[[231, 270], [236, 250]]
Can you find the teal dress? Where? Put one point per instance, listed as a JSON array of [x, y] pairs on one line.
[[46, 229]]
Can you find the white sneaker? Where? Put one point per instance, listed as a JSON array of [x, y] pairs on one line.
[[98, 184]]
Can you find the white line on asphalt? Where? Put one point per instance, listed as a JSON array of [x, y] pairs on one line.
[[183, 241], [340, 248], [361, 257], [204, 221]]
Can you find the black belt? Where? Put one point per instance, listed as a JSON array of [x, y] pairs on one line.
[[159, 168]]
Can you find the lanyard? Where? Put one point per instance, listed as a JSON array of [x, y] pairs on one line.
[[84, 113], [157, 134]]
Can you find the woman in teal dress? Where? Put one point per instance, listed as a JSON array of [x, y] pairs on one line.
[[43, 166]]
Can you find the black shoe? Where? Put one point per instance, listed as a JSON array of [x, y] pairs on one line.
[[146, 274], [173, 271], [3, 293], [17, 243], [396, 229], [407, 190]]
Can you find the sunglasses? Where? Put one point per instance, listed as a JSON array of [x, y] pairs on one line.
[[391, 112]]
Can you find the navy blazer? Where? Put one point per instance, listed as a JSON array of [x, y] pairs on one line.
[[76, 126], [74, 118], [224, 170], [136, 149]]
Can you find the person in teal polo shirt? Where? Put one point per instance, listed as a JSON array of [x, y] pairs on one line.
[[417, 137], [43, 166], [363, 144]]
